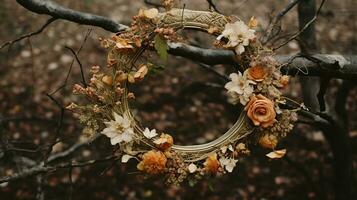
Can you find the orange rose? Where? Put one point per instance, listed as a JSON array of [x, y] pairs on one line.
[[257, 73], [261, 111], [154, 162], [212, 164]]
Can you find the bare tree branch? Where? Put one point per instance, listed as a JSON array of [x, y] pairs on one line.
[[303, 29], [80, 65], [48, 22], [40, 169], [206, 56], [274, 27], [57, 11]]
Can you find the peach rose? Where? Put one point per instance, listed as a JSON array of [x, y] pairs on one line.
[[212, 164], [257, 73], [261, 111], [154, 162]]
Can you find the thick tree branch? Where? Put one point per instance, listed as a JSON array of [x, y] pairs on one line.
[[57, 11], [206, 56]]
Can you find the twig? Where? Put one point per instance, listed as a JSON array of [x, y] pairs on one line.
[[58, 130], [303, 29], [48, 22], [80, 65], [212, 5], [210, 69], [70, 150], [39, 169], [71, 188], [158, 5], [71, 65], [270, 31]]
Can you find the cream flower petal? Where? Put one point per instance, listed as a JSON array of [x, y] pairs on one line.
[[149, 134], [117, 117], [109, 132], [126, 122], [117, 139]]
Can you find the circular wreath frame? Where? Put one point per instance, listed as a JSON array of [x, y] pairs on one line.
[[125, 49]]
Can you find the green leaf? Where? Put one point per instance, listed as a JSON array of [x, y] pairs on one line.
[[161, 47]]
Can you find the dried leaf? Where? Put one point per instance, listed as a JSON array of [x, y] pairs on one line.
[[161, 47], [276, 154], [151, 13]]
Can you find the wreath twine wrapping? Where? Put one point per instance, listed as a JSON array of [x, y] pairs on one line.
[[263, 120]]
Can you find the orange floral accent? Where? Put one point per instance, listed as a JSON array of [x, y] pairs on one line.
[[261, 111], [165, 142], [107, 80], [212, 164], [154, 162], [268, 141], [257, 73], [284, 80]]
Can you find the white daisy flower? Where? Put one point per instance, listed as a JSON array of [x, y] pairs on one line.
[[239, 88], [238, 35], [149, 134], [119, 130], [228, 164]]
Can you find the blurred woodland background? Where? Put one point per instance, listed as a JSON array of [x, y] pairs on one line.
[[185, 99]]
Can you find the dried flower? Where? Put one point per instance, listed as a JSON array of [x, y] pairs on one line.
[[140, 74], [123, 45], [164, 142], [78, 89], [121, 77], [238, 35], [107, 80], [261, 111], [239, 88], [192, 168], [284, 80], [228, 163], [153, 162], [150, 13], [119, 129], [268, 141], [257, 73], [211, 164], [253, 22], [149, 134]]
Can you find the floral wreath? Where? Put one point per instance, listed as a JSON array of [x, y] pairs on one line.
[[263, 121]]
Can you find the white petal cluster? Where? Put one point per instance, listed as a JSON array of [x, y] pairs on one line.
[[228, 163], [149, 133], [238, 35], [239, 88], [119, 130]]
